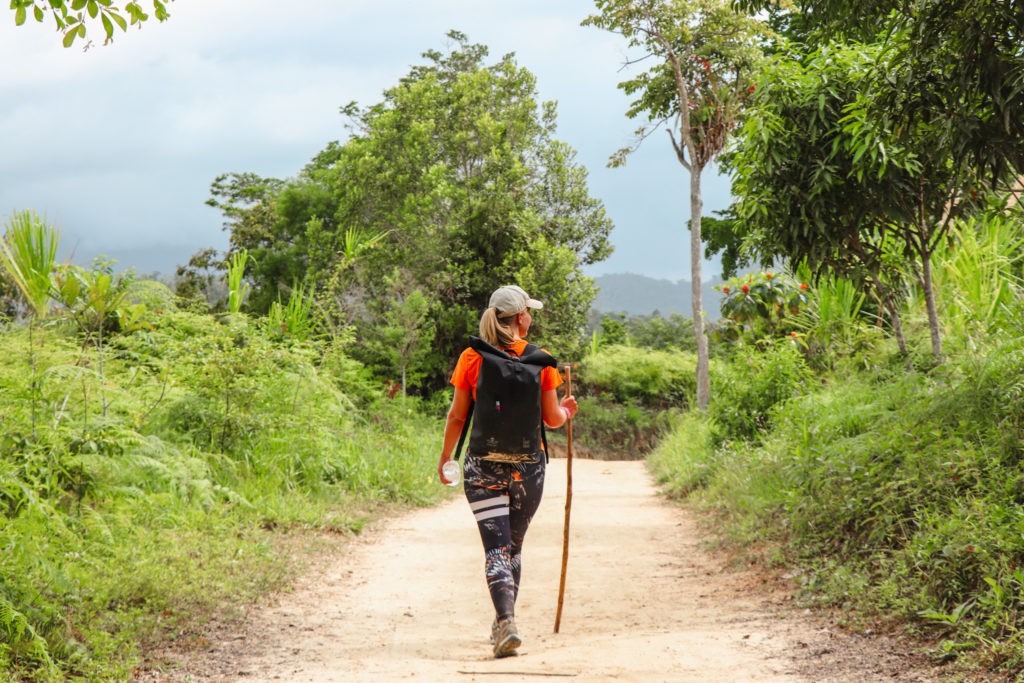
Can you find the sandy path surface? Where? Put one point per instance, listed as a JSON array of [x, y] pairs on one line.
[[644, 602]]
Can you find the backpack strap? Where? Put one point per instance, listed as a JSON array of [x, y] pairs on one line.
[[544, 440], [533, 353], [465, 430]]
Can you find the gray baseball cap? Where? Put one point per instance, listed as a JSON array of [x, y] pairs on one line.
[[511, 300]]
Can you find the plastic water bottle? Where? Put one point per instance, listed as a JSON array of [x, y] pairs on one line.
[[452, 472]]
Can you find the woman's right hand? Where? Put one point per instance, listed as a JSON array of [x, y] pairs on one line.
[[440, 469]]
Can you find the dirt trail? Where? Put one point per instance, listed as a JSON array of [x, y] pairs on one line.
[[644, 602]]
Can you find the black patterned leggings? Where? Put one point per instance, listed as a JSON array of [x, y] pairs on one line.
[[503, 498]]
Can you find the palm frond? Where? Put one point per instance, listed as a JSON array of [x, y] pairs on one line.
[[28, 253]]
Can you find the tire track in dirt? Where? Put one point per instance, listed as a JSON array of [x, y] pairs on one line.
[[644, 603]]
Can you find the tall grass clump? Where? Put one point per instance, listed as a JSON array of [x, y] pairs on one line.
[[685, 460], [28, 255], [979, 276], [898, 495]]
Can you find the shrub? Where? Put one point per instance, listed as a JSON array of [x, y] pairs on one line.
[[644, 377], [760, 305], [747, 389], [627, 395]]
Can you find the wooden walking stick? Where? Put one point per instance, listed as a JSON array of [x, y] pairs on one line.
[[568, 501]]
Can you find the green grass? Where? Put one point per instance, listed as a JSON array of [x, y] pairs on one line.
[[129, 528], [899, 496]]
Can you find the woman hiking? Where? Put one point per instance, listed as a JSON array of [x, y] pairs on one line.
[[504, 465]]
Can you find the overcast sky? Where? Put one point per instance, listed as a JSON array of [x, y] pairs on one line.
[[118, 145]]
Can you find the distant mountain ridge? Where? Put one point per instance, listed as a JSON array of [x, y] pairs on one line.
[[627, 293], [634, 294]]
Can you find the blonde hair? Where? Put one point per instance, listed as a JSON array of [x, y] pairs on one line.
[[497, 331]]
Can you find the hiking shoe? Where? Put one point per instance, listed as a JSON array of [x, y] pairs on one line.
[[507, 639], [494, 631]]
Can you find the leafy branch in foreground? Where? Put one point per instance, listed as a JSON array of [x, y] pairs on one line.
[[72, 18]]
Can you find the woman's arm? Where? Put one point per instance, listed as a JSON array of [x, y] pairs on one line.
[[458, 413]]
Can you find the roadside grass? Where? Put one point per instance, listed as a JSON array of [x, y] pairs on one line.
[[889, 484], [894, 495], [141, 503]]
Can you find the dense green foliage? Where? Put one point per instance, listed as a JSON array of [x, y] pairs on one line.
[[655, 331], [890, 486], [956, 64], [139, 495], [451, 186], [628, 394], [750, 386], [825, 179]]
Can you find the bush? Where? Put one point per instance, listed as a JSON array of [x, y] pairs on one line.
[[747, 389], [627, 396], [611, 430], [653, 379]]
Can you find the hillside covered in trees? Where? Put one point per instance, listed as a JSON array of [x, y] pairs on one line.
[[635, 294]]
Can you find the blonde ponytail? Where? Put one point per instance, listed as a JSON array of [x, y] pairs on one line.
[[497, 331]]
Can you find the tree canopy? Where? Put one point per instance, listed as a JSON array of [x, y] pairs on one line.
[[954, 62], [455, 183]]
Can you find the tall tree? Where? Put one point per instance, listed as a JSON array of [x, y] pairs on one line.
[[73, 17], [455, 177], [702, 54]]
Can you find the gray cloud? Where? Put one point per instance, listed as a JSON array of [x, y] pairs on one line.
[[119, 144]]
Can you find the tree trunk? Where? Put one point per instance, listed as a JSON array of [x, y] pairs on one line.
[[888, 300], [929, 300], [696, 290], [897, 324]]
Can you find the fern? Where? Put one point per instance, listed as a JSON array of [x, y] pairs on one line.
[[19, 633]]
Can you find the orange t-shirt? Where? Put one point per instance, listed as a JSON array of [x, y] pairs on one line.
[[468, 367]]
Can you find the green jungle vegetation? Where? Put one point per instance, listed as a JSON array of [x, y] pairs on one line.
[[157, 458], [171, 451], [890, 484]]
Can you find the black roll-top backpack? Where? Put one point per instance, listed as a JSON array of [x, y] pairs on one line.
[[506, 415]]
